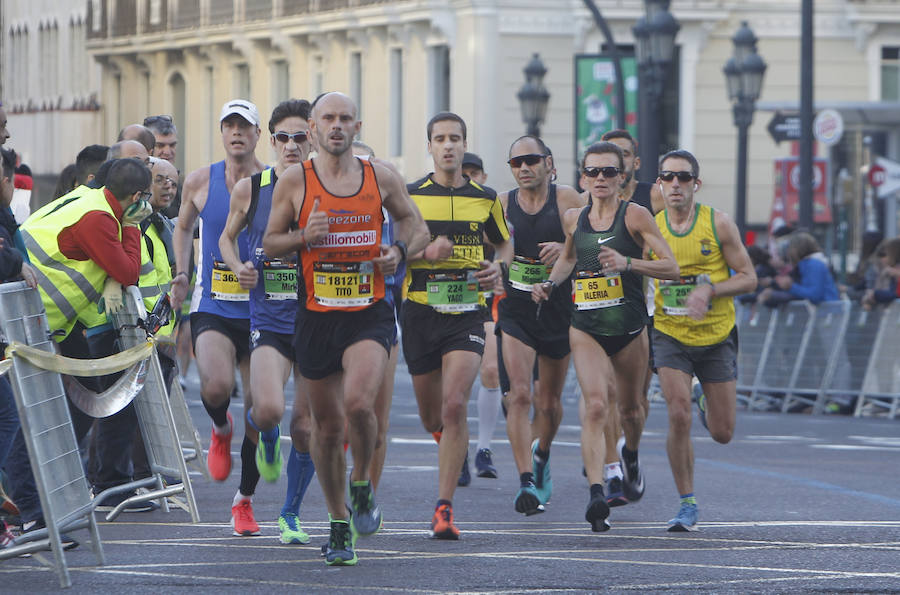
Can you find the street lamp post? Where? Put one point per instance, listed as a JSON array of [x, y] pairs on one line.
[[534, 96], [654, 34], [744, 75]]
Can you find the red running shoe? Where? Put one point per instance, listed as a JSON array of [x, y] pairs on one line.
[[442, 523], [219, 458], [242, 520]]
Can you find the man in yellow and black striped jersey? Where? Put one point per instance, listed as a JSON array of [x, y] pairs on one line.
[[442, 318]]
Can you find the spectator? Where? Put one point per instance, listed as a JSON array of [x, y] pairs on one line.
[[866, 274], [887, 285], [140, 134], [811, 278], [24, 182], [66, 182], [88, 162], [765, 272]]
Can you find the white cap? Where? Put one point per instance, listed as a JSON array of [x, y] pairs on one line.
[[243, 108]]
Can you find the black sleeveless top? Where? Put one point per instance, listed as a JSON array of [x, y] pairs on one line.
[[641, 195], [529, 231]]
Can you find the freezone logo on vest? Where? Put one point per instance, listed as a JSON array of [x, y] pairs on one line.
[[347, 239], [341, 217]]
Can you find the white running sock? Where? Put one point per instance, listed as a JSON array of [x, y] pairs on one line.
[[238, 496], [612, 470], [488, 412]]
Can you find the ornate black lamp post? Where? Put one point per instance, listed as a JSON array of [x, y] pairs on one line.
[[534, 96], [744, 76], [655, 36]]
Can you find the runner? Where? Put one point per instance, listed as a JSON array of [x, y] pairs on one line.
[[220, 311], [604, 245], [442, 318], [393, 294], [329, 210], [488, 400], [528, 330], [694, 330], [273, 305]]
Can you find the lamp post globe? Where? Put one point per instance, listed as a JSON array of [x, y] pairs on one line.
[[533, 95]]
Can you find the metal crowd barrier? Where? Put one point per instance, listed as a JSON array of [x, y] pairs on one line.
[[47, 426], [159, 428], [799, 355]]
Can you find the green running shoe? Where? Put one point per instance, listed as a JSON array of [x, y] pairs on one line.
[[268, 458], [541, 469], [289, 525], [341, 541]]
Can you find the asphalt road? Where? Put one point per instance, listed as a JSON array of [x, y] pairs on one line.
[[794, 503]]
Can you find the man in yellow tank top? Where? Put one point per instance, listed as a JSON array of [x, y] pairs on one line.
[[694, 330]]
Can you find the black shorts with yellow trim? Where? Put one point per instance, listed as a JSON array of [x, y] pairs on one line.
[[236, 329], [320, 338], [428, 335]]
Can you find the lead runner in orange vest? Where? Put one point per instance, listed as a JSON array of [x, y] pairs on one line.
[[328, 210]]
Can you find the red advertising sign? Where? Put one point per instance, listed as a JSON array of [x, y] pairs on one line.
[[786, 205]]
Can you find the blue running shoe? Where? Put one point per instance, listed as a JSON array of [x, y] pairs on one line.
[[700, 399], [686, 520], [365, 514], [465, 476], [615, 496], [543, 483], [268, 457], [527, 501], [484, 466], [341, 541]]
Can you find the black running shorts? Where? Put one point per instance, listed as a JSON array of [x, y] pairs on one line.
[[236, 329], [428, 335], [283, 342], [320, 338]]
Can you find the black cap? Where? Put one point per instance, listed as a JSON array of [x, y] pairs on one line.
[[473, 159]]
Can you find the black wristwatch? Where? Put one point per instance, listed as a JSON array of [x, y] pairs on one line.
[[402, 245]]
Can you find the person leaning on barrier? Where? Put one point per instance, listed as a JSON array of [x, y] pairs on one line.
[[111, 463], [810, 279], [92, 237], [76, 244], [887, 286]]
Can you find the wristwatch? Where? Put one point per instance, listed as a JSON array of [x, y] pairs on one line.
[[402, 246]]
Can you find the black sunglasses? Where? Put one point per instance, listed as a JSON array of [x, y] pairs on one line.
[[297, 137], [683, 176], [530, 159], [608, 171]]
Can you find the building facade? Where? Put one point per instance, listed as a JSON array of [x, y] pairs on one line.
[[116, 61]]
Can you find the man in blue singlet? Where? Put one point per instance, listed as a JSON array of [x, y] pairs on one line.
[[220, 311], [273, 305]]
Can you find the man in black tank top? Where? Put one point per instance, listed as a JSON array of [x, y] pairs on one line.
[[534, 211], [643, 193]]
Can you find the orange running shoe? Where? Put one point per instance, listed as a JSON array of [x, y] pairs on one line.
[[442, 523], [219, 458], [242, 520]]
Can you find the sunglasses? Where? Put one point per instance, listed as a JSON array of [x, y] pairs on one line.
[[683, 176], [297, 137], [530, 159], [608, 172]]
